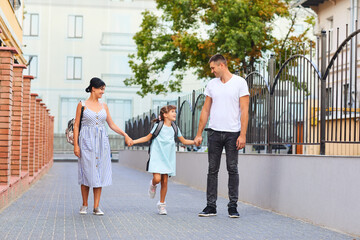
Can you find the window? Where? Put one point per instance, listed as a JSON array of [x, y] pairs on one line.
[[298, 29], [74, 68], [348, 100], [119, 64], [120, 110], [117, 39], [31, 24], [67, 111], [32, 68], [16, 4], [115, 80], [331, 32], [162, 103], [328, 100], [75, 27]]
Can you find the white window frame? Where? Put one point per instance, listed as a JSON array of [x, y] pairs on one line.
[[329, 98], [32, 28], [331, 33], [110, 101], [75, 28], [161, 103], [71, 68], [31, 69], [348, 100]]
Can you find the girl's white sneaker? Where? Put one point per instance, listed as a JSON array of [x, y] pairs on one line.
[[83, 210], [161, 208], [97, 211], [152, 190]]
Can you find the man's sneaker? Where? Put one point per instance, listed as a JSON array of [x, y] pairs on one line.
[[83, 210], [161, 208], [233, 213], [97, 211], [208, 211], [152, 190]]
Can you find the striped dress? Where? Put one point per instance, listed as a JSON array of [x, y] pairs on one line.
[[94, 164]]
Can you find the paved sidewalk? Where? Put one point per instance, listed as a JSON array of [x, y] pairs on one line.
[[70, 157], [49, 210]]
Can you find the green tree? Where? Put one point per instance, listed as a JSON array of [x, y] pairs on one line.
[[189, 32]]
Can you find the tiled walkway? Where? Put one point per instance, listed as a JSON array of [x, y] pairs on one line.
[[49, 210]]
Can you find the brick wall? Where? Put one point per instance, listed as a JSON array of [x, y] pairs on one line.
[[26, 131]]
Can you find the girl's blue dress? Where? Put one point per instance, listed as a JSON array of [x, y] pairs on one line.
[[163, 151]]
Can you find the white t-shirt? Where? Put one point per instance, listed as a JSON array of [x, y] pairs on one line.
[[225, 108]]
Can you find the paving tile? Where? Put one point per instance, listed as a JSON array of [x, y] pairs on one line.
[[49, 210]]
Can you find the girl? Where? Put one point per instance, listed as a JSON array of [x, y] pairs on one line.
[[92, 147], [162, 154]]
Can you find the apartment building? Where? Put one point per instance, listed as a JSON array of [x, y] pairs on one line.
[[69, 42]]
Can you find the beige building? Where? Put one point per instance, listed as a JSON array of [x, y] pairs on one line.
[[333, 14], [11, 19], [342, 85]]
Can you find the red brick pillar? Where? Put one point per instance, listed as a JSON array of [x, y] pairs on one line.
[[26, 124], [42, 134], [47, 159], [16, 120], [6, 98], [32, 135], [37, 135], [52, 138]]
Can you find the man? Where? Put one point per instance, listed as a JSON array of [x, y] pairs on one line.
[[227, 104]]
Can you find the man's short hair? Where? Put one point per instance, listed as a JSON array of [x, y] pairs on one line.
[[218, 58]]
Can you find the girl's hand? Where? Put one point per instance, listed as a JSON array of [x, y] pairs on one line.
[[77, 151], [129, 141], [198, 140]]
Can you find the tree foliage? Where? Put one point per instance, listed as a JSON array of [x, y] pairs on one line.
[[189, 32]]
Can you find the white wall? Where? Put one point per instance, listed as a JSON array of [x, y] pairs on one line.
[[321, 190]]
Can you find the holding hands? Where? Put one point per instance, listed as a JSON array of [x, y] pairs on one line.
[[128, 141], [198, 140]]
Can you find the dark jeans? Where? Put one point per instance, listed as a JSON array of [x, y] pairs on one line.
[[216, 142]]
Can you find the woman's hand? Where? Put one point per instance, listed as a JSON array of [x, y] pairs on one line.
[[77, 151], [129, 141]]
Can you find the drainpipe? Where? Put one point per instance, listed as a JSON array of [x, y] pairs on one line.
[[353, 19], [354, 14]]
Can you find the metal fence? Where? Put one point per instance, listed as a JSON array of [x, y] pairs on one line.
[[311, 100]]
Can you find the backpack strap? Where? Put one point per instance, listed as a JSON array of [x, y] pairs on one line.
[[154, 135], [157, 130], [175, 127], [81, 115]]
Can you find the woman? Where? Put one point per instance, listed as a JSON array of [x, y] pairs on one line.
[[92, 146]]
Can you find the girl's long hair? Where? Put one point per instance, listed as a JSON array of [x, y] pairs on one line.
[[163, 110]]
